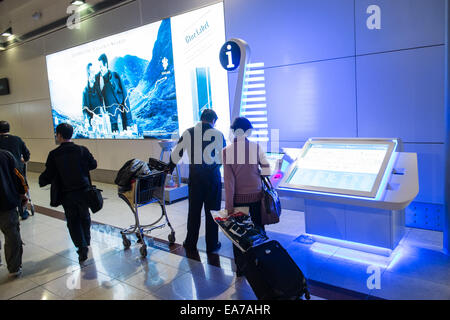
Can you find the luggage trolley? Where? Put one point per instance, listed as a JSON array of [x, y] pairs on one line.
[[145, 190]]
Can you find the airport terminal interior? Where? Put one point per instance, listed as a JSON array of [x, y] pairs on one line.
[[348, 99]]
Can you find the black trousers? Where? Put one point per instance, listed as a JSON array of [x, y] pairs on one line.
[[203, 191], [9, 225], [255, 214], [78, 218]]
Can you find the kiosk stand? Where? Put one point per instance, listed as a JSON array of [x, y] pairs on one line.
[[355, 191], [174, 189]]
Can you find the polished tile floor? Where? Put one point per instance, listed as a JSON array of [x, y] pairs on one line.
[[417, 270]]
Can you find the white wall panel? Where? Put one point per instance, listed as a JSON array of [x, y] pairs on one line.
[[112, 22], [27, 79], [39, 148], [154, 10], [112, 154]]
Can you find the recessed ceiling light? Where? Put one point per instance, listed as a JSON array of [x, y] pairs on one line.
[[78, 2], [7, 32]]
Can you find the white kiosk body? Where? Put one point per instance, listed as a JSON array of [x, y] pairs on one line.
[[355, 191]]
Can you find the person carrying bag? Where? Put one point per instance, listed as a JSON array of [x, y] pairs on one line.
[[242, 160]]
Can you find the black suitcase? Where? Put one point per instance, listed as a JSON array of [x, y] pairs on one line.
[[273, 274]]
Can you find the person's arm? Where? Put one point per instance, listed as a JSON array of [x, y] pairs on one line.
[[49, 173], [25, 152], [91, 162], [124, 91], [19, 181], [85, 105], [229, 181]]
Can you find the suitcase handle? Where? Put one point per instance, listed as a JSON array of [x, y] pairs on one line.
[[235, 230]]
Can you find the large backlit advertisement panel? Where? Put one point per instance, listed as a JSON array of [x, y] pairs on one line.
[[343, 167], [200, 79], [140, 83]]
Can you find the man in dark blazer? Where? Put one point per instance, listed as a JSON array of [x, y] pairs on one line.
[[69, 164], [204, 145]]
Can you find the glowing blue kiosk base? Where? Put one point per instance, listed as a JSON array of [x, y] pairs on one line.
[[355, 191], [366, 229]]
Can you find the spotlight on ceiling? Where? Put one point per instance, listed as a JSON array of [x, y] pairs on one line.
[[78, 2], [7, 32]]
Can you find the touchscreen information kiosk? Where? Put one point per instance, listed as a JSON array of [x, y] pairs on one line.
[[355, 190], [341, 167]]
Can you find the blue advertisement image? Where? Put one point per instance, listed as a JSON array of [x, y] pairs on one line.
[[136, 85]]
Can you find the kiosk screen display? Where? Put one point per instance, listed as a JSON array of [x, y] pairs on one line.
[[346, 168]]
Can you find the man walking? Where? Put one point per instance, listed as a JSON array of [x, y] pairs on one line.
[[19, 150], [204, 145], [12, 194], [68, 167]]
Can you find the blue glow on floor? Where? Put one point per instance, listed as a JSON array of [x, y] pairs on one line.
[[358, 256]]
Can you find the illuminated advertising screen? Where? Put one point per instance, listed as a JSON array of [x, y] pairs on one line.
[[149, 82], [353, 168]]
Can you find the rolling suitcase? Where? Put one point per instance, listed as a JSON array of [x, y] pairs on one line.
[[268, 267], [273, 274]]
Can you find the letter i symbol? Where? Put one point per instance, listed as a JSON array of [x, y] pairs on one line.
[[230, 60]]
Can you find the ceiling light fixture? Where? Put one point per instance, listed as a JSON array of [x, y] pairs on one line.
[[78, 2], [7, 32]]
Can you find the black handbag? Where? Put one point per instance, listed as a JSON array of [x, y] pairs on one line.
[[94, 197], [270, 203]]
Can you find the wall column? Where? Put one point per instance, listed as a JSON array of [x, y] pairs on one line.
[[446, 226]]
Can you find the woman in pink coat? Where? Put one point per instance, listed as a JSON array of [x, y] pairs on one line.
[[244, 162]]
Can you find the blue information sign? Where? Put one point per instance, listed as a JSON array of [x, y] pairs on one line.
[[230, 55]]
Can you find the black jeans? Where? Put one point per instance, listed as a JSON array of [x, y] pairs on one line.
[[9, 225], [203, 192], [255, 214], [78, 218]]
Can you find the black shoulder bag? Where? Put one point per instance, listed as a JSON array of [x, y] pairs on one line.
[[270, 203], [94, 196]]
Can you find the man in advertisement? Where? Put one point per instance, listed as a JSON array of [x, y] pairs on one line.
[[92, 98], [114, 95]]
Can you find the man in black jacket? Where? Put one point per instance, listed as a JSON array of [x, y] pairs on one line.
[[69, 165], [12, 194], [19, 150], [204, 145]]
